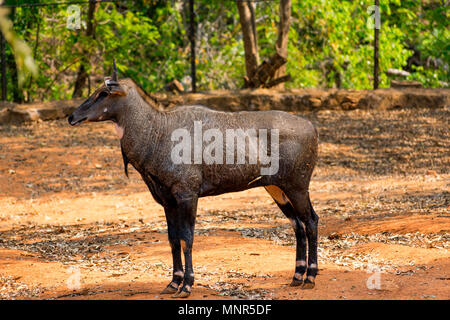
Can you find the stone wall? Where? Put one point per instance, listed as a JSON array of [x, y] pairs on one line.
[[314, 99], [261, 99]]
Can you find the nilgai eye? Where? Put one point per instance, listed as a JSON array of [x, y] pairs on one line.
[[101, 95]]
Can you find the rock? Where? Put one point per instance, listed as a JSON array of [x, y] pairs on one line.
[[388, 285], [334, 236], [18, 113], [405, 84]]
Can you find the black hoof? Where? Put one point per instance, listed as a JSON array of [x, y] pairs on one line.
[[308, 285], [296, 283], [170, 289], [183, 293]]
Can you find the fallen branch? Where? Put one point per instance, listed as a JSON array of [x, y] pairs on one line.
[[277, 81], [265, 72], [397, 72]]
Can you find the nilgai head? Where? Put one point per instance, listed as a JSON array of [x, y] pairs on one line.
[[103, 104]]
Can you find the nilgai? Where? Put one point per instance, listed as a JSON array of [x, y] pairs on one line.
[[153, 140]]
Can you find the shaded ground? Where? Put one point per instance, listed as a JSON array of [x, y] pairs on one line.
[[67, 212]]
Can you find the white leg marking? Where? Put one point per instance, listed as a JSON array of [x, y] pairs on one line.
[[298, 276], [300, 263], [312, 266], [179, 273]]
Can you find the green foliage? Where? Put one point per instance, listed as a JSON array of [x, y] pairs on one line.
[[20, 50], [220, 57], [330, 44], [128, 38]]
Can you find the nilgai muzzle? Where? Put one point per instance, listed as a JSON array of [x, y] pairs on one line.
[[152, 141]]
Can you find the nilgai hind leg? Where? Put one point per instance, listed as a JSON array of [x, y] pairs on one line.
[[297, 207]]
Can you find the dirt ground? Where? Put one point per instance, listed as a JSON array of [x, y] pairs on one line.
[[381, 189]]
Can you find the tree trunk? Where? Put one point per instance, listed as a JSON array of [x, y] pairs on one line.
[[82, 74], [376, 44], [247, 19], [36, 47], [283, 37], [80, 82], [17, 92]]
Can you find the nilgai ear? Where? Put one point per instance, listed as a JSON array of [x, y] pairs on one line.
[[118, 90], [112, 83], [114, 87]]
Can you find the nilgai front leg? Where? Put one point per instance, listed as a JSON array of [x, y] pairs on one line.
[[174, 240], [186, 212]]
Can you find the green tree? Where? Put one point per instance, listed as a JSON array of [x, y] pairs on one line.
[[330, 44]]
